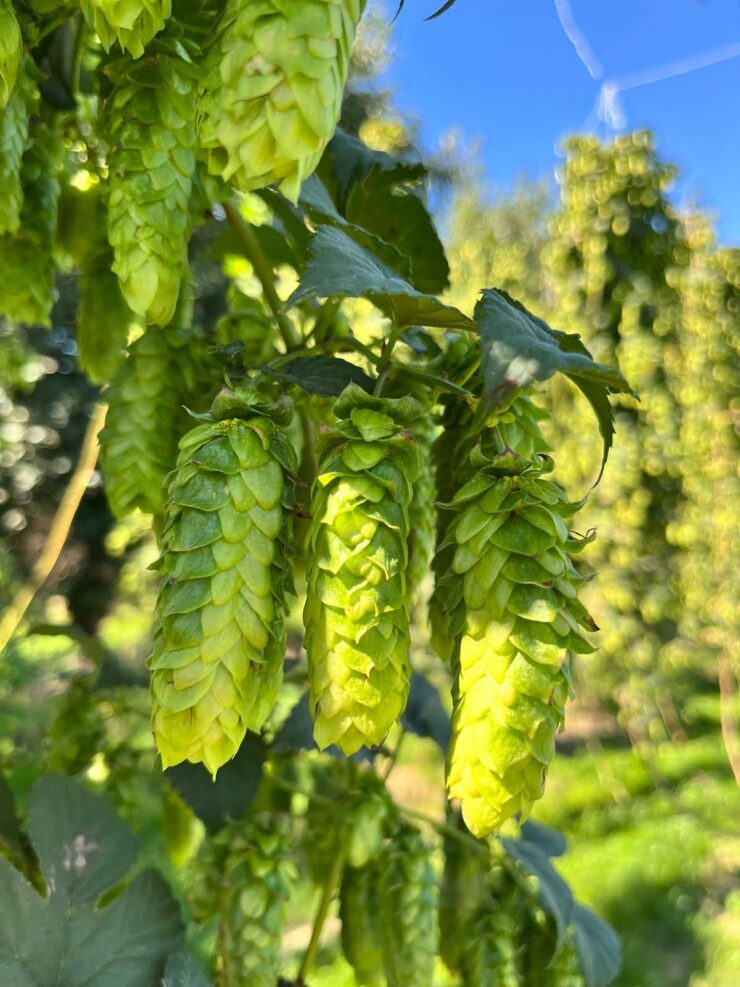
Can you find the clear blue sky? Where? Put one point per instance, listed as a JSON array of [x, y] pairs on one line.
[[504, 73]]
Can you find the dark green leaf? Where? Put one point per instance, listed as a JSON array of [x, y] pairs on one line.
[[10, 834], [549, 840], [554, 894], [339, 267], [231, 794], [349, 162], [183, 971], [324, 375], [425, 715], [420, 342], [598, 947]]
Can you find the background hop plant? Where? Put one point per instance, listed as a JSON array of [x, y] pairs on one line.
[[488, 943], [565, 969], [362, 924], [150, 125], [14, 120], [243, 879], [357, 614], [11, 51], [219, 638], [410, 898], [461, 891], [131, 23], [517, 614], [272, 90]]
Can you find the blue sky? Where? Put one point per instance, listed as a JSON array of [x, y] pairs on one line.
[[504, 74]]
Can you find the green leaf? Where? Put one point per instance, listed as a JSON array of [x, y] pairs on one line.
[[339, 267], [83, 850], [598, 947], [549, 840], [324, 375], [183, 971], [349, 162], [231, 794], [553, 893], [10, 833], [425, 715]]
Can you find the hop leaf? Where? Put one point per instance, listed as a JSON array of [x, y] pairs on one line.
[[519, 618], [150, 123], [132, 23], [13, 136], [220, 639], [356, 614], [362, 925], [409, 910], [11, 51], [273, 88]]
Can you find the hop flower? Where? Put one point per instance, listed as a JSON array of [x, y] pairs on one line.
[[11, 51], [565, 969], [489, 947], [150, 123], [518, 617], [273, 88], [362, 925], [132, 23], [219, 640], [356, 614], [461, 892]]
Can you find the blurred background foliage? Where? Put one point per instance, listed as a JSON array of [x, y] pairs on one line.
[[643, 787]]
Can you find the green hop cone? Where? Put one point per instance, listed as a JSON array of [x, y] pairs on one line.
[[11, 51], [272, 89], [463, 877], [565, 969], [362, 924], [410, 898], [247, 324], [150, 125], [132, 23], [219, 639], [357, 614], [422, 510], [518, 617], [244, 878], [27, 258], [489, 946], [13, 136]]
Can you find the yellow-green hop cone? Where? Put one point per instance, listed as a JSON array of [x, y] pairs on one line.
[[410, 899], [488, 946], [219, 639], [272, 90], [357, 613], [518, 617], [244, 878], [150, 126], [27, 258], [362, 924], [131, 23], [11, 51]]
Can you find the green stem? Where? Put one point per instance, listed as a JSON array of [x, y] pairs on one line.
[[263, 270], [79, 51], [393, 760], [324, 318], [388, 347], [327, 894]]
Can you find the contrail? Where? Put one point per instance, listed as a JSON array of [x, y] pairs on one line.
[[578, 39]]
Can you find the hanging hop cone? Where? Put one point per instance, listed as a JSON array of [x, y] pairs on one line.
[[356, 614], [11, 51], [132, 23], [13, 137], [150, 126], [272, 90], [409, 910], [517, 617], [463, 876], [244, 878], [489, 951], [27, 259], [219, 639], [362, 924]]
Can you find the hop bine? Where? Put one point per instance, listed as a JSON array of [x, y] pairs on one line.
[[219, 639], [357, 614], [516, 617], [11, 51], [132, 23], [272, 91]]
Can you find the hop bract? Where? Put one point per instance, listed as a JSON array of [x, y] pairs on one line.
[[132, 23], [219, 639], [519, 618], [11, 51], [273, 89], [362, 925], [357, 614]]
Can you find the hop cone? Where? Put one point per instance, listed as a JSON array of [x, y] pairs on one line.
[[565, 969], [11, 51], [219, 639], [248, 323], [489, 948], [273, 88], [422, 511], [245, 878], [518, 614], [409, 911], [145, 419], [362, 925], [132, 23], [27, 259], [150, 122], [356, 614], [462, 885], [13, 136]]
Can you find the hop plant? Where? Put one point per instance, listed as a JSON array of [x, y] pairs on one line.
[[422, 513], [150, 124], [11, 51], [518, 617], [13, 136], [244, 878], [219, 638], [362, 924], [131, 23], [273, 87], [248, 324], [409, 910], [488, 939], [27, 259], [565, 969], [461, 890], [356, 614]]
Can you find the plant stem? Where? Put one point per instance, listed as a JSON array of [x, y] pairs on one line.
[[393, 760], [327, 894], [263, 270], [59, 530], [79, 51]]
